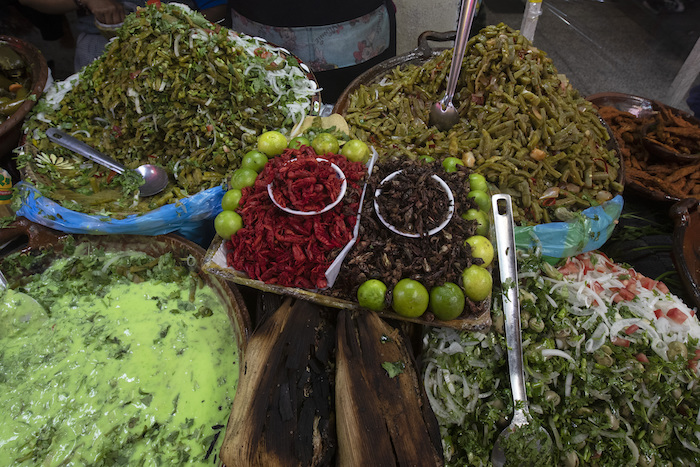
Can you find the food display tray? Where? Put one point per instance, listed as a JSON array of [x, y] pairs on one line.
[[215, 263]]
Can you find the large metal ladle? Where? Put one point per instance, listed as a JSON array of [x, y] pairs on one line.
[[155, 178], [507, 265], [443, 113]]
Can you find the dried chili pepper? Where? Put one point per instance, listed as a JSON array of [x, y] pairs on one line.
[[294, 251], [306, 184]]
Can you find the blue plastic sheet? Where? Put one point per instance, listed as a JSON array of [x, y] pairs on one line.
[[191, 217], [586, 232]]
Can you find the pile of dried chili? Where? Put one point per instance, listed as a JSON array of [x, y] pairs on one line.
[[306, 184], [289, 250]]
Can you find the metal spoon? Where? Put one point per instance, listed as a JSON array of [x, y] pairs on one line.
[[503, 226], [443, 113], [155, 178]]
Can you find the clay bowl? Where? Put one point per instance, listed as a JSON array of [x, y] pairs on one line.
[[10, 129], [686, 246]]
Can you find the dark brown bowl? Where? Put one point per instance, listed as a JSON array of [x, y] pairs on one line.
[[686, 246], [10, 129]]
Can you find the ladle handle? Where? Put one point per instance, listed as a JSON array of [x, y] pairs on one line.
[[466, 16], [507, 265], [77, 146]]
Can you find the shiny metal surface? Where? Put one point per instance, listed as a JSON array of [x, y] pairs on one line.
[[155, 178]]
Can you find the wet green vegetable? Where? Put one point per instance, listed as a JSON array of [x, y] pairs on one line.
[[523, 126], [174, 90], [621, 404]]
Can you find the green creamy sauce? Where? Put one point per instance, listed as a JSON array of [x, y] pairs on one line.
[[133, 376]]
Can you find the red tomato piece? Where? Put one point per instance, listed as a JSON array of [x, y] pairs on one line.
[[642, 358], [676, 315], [631, 329], [619, 341]]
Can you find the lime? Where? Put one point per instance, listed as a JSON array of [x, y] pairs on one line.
[[480, 217], [481, 198], [325, 143], [355, 151], [227, 223], [450, 163], [299, 141], [272, 143], [478, 182], [255, 160], [242, 178], [481, 248], [410, 298], [426, 159], [446, 301], [476, 282], [231, 200], [371, 294]]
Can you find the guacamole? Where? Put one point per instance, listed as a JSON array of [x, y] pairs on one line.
[[132, 362]]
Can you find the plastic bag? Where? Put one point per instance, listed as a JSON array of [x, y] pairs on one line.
[[586, 232], [191, 217]]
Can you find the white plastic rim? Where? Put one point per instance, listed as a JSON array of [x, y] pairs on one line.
[[450, 209], [341, 195]]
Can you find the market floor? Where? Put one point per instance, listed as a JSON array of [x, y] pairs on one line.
[[600, 45]]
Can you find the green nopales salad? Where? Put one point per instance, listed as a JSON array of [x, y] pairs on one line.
[[173, 90], [610, 366]]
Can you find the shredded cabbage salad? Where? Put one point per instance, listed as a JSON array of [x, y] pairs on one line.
[[610, 365]]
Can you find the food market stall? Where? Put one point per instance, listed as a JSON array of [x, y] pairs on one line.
[[361, 249]]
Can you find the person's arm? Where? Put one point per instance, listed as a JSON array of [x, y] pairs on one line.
[[105, 11]]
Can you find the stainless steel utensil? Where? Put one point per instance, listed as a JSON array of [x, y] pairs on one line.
[[507, 265], [443, 113], [155, 178]]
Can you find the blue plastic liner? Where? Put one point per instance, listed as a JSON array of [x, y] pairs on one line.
[[586, 232], [191, 217]]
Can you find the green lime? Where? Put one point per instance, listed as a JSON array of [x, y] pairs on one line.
[[481, 218], [231, 200], [450, 163], [299, 141], [410, 298], [272, 143], [481, 198], [325, 143], [355, 151], [254, 160], [476, 282], [446, 301], [242, 178], [481, 248], [478, 182], [371, 294], [227, 223], [426, 159]]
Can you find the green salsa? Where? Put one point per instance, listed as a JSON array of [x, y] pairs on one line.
[[122, 367]]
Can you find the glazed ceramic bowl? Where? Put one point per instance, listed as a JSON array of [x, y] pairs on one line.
[[686, 246], [10, 129]]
